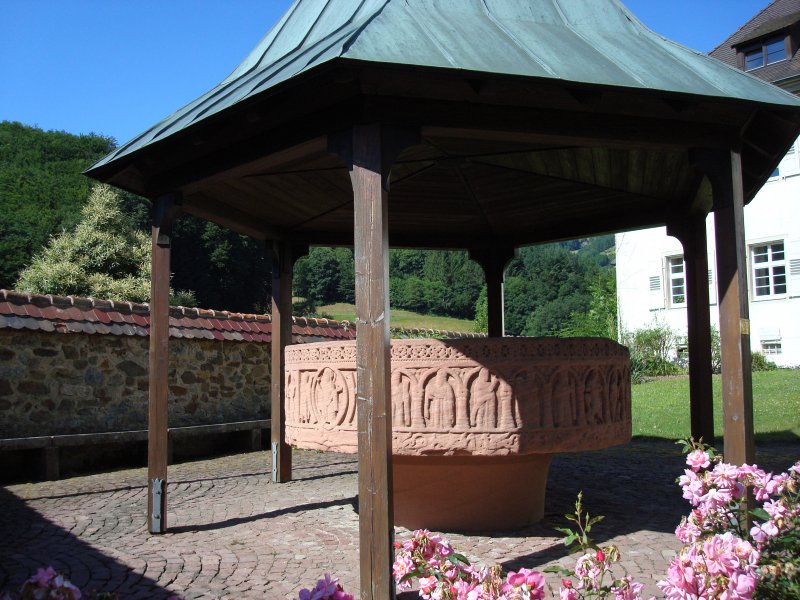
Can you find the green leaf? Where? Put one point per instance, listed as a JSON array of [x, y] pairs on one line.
[[412, 575], [564, 530], [456, 558], [760, 513], [570, 539], [557, 569]]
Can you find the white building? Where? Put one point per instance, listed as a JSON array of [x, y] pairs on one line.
[[650, 269]]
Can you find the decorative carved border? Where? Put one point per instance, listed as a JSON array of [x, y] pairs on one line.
[[480, 397]]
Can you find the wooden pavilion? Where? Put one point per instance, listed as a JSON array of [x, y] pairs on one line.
[[478, 124]]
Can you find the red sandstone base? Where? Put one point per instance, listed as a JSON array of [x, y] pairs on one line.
[[469, 493]]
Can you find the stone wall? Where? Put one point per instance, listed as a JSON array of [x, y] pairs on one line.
[[80, 365], [54, 384]]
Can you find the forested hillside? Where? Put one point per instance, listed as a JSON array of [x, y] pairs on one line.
[[545, 285], [42, 190], [563, 288]]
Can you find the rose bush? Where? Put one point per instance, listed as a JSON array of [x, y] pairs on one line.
[[729, 553], [443, 574], [327, 588]]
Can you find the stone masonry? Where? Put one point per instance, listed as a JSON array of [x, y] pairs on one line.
[[52, 384]]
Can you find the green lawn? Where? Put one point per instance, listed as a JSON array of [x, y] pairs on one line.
[[400, 318], [661, 406]]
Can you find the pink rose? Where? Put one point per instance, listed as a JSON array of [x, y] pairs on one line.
[[740, 587], [775, 508], [698, 459], [763, 532], [628, 590], [426, 586], [567, 594]]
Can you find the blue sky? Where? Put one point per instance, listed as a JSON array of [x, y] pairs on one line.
[[117, 67]]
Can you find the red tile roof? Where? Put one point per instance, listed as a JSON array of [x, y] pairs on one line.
[[73, 314]]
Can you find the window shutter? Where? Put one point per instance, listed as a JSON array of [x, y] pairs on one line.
[[793, 267], [712, 287], [789, 165], [656, 284]]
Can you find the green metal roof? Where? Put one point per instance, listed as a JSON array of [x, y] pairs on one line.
[[598, 42]]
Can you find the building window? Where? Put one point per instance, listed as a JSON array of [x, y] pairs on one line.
[[769, 270], [682, 350], [766, 52], [677, 280], [771, 348]]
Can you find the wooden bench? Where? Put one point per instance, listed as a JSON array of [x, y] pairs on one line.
[[51, 444]]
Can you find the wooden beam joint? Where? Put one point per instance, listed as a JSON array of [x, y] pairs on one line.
[[165, 211]]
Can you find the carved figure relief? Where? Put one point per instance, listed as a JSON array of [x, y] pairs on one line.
[[508, 407], [473, 396], [483, 400], [593, 398], [404, 389], [330, 398], [440, 402]]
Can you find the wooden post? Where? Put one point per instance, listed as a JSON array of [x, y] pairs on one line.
[[165, 211], [373, 367], [725, 173], [691, 231], [284, 256], [369, 151], [493, 260], [52, 467]]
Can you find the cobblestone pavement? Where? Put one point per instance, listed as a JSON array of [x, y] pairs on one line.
[[234, 534]]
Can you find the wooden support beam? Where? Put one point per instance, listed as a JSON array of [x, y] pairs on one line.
[[369, 151], [284, 256], [493, 260], [724, 169], [691, 231], [165, 210], [373, 394]]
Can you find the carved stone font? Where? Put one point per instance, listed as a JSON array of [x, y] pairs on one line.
[[487, 410]]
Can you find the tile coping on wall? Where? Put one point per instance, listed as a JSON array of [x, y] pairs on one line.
[[75, 314]]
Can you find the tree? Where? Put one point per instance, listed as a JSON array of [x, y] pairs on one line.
[[103, 257], [42, 189], [482, 312], [544, 286], [225, 270], [519, 302], [316, 276], [346, 286], [601, 318]]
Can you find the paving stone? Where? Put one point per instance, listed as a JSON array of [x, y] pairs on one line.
[[235, 534]]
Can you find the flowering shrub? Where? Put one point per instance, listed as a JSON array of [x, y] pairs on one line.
[[722, 556], [728, 554], [326, 589], [593, 568], [46, 584], [444, 574]]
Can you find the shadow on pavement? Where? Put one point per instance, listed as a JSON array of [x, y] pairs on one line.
[[289, 510], [28, 541]]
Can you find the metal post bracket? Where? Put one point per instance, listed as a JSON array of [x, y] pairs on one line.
[[158, 497]]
